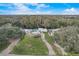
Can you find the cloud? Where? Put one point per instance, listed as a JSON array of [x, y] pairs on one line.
[[42, 6], [18, 9], [71, 11], [39, 5], [21, 9], [44, 12], [31, 12], [24, 9], [34, 4], [36, 8]]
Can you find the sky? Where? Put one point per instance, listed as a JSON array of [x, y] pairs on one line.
[[39, 8]]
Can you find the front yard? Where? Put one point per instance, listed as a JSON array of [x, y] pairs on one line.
[[48, 38], [30, 46]]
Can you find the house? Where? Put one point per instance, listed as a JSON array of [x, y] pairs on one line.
[[32, 32], [42, 29], [27, 30], [36, 34]]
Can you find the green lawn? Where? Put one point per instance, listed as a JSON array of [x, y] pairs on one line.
[[73, 54], [48, 38], [30, 46]]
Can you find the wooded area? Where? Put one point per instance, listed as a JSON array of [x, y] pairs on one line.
[[40, 21]]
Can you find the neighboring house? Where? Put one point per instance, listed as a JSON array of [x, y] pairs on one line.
[[52, 31]]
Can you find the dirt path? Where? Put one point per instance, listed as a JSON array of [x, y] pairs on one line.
[[10, 47], [50, 49], [60, 49]]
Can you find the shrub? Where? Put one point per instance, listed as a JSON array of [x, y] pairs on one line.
[[68, 38], [9, 33]]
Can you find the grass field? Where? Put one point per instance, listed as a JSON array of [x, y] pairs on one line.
[[48, 38], [73, 54], [30, 46]]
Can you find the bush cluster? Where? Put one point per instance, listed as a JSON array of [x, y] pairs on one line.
[[68, 38]]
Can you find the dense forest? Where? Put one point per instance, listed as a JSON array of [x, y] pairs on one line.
[[40, 21]]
